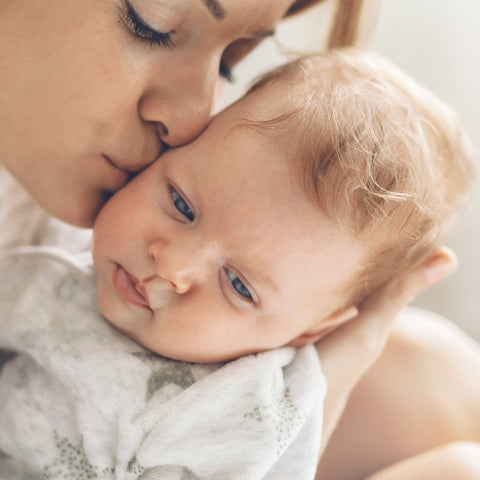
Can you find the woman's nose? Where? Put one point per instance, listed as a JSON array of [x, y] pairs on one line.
[[180, 105]]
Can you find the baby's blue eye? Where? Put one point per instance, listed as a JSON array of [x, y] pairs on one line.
[[238, 285], [181, 205]]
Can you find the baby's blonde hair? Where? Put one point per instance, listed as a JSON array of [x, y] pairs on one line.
[[380, 155]]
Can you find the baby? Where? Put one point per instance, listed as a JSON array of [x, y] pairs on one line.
[[333, 174]]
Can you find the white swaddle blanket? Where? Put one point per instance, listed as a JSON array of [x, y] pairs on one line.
[[80, 400]]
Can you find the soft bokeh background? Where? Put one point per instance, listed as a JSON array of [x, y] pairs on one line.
[[438, 43]]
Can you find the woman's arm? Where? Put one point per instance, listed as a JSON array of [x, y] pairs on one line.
[[455, 461], [423, 392]]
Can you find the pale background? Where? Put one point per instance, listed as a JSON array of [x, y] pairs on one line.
[[438, 43]]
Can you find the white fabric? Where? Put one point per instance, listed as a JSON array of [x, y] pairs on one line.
[[80, 400]]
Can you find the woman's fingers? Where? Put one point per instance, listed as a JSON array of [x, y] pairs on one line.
[[396, 294], [365, 336], [348, 352]]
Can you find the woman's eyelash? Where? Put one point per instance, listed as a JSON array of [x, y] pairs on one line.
[[239, 286], [142, 31], [180, 204], [225, 72]]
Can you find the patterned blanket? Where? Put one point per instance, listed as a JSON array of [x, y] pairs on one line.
[[80, 400]]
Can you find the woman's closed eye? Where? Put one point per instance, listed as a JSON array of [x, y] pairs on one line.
[[143, 31], [181, 205], [239, 286], [225, 72]]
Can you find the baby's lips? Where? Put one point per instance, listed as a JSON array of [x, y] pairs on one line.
[[126, 285]]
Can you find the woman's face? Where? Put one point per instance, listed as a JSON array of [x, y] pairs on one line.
[[94, 90]]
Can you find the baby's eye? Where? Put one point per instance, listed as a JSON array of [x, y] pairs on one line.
[[239, 286], [181, 205]]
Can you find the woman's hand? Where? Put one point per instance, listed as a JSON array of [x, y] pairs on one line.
[[349, 351]]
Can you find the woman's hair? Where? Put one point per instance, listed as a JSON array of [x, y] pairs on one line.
[[348, 21], [380, 155]]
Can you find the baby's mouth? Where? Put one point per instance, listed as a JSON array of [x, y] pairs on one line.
[[129, 289]]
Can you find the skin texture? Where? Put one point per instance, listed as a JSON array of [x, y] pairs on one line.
[[177, 298], [98, 102]]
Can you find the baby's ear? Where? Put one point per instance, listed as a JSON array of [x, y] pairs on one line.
[[325, 326]]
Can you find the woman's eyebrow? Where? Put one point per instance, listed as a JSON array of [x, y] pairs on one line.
[[218, 12], [215, 8], [263, 33]]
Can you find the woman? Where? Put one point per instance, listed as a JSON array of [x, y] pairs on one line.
[[92, 91]]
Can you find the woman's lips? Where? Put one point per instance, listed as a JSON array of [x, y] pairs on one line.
[[114, 176], [130, 167], [126, 285]]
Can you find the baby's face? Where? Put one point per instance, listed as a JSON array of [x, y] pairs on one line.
[[214, 251]]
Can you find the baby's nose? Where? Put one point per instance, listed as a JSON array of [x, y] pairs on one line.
[[179, 265]]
